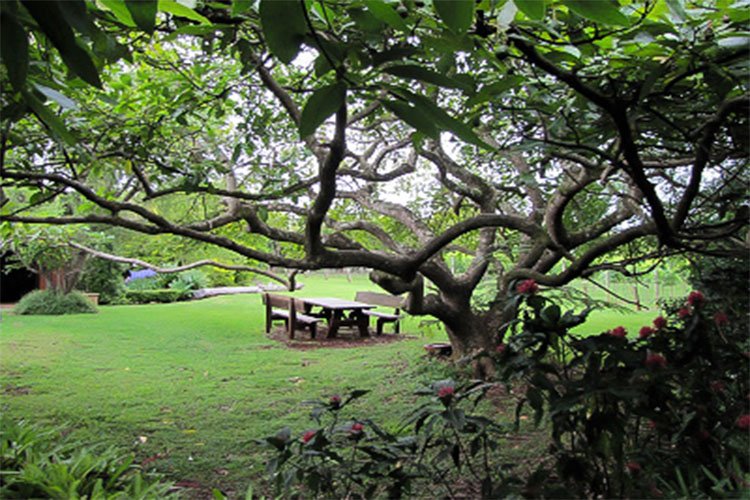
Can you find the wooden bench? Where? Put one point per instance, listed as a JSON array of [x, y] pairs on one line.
[[382, 299], [283, 308]]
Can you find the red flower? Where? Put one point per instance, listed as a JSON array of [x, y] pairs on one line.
[[619, 332], [656, 361], [718, 386], [743, 422], [445, 392], [633, 467], [645, 332], [357, 427], [527, 286], [683, 313], [660, 322], [501, 348], [696, 298], [335, 401], [307, 436], [721, 318]]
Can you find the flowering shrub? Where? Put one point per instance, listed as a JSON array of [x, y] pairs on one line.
[[345, 457], [664, 413]]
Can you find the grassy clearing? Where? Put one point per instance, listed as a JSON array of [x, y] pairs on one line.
[[193, 384]]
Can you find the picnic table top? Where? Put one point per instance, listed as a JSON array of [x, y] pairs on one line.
[[333, 303]]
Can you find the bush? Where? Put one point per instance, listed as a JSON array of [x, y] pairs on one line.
[[189, 280], [163, 296], [54, 302], [34, 463], [103, 277]]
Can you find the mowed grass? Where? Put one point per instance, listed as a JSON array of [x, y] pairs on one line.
[[193, 384]]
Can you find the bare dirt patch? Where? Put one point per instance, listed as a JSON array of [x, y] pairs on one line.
[[346, 338], [16, 390]]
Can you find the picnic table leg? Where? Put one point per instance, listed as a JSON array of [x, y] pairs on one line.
[[363, 324], [334, 319]]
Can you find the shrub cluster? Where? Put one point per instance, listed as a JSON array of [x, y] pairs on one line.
[[54, 302], [163, 296], [103, 277], [660, 413], [34, 463]]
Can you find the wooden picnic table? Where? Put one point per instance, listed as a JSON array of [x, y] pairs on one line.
[[335, 312]]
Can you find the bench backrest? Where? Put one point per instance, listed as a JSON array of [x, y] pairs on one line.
[[380, 299], [279, 301]]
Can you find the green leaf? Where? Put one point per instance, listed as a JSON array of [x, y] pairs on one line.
[[179, 10], [442, 119], [414, 72], [143, 13], [599, 11], [14, 49], [49, 118], [457, 14], [534, 9], [284, 27], [241, 6], [323, 103], [494, 89], [119, 10], [62, 100], [75, 14], [50, 20], [412, 116], [384, 12]]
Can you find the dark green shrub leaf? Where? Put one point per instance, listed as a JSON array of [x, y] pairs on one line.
[[456, 14], [179, 10], [602, 11], [50, 20], [384, 12], [534, 9], [143, 13], [414, 72], [284, 27], [412, 116], [322, 103], [14, 49]]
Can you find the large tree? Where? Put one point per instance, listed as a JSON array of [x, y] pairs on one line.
[[523, 139]]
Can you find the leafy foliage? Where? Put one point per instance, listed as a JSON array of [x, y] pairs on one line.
[[163, 296], [36, 463], [54, 302], [103, 277]]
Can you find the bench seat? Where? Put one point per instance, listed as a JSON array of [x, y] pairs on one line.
[[280, 307], [378, 314], [383, 300]]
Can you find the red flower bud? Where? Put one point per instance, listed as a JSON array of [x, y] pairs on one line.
[[652, 425], [619, 332], [445, 392], [743, 422], [721, 318], [307, 436], [703, 435], [683, 313], [527, 286], [660, 322], [501, 348], [696, 298], [357, 427], [335, 401], [656, 361], [718, 386], [633, 467], [645, 332]]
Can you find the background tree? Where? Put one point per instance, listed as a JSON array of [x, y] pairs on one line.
[[539, 140]]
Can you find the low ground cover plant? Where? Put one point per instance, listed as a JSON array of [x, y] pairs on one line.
[[38, 463], [662, 412], [54, 302]]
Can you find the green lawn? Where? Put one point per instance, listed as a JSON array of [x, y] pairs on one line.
[[197, 382]]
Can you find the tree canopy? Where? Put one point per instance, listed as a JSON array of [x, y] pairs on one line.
[[522, 139]]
